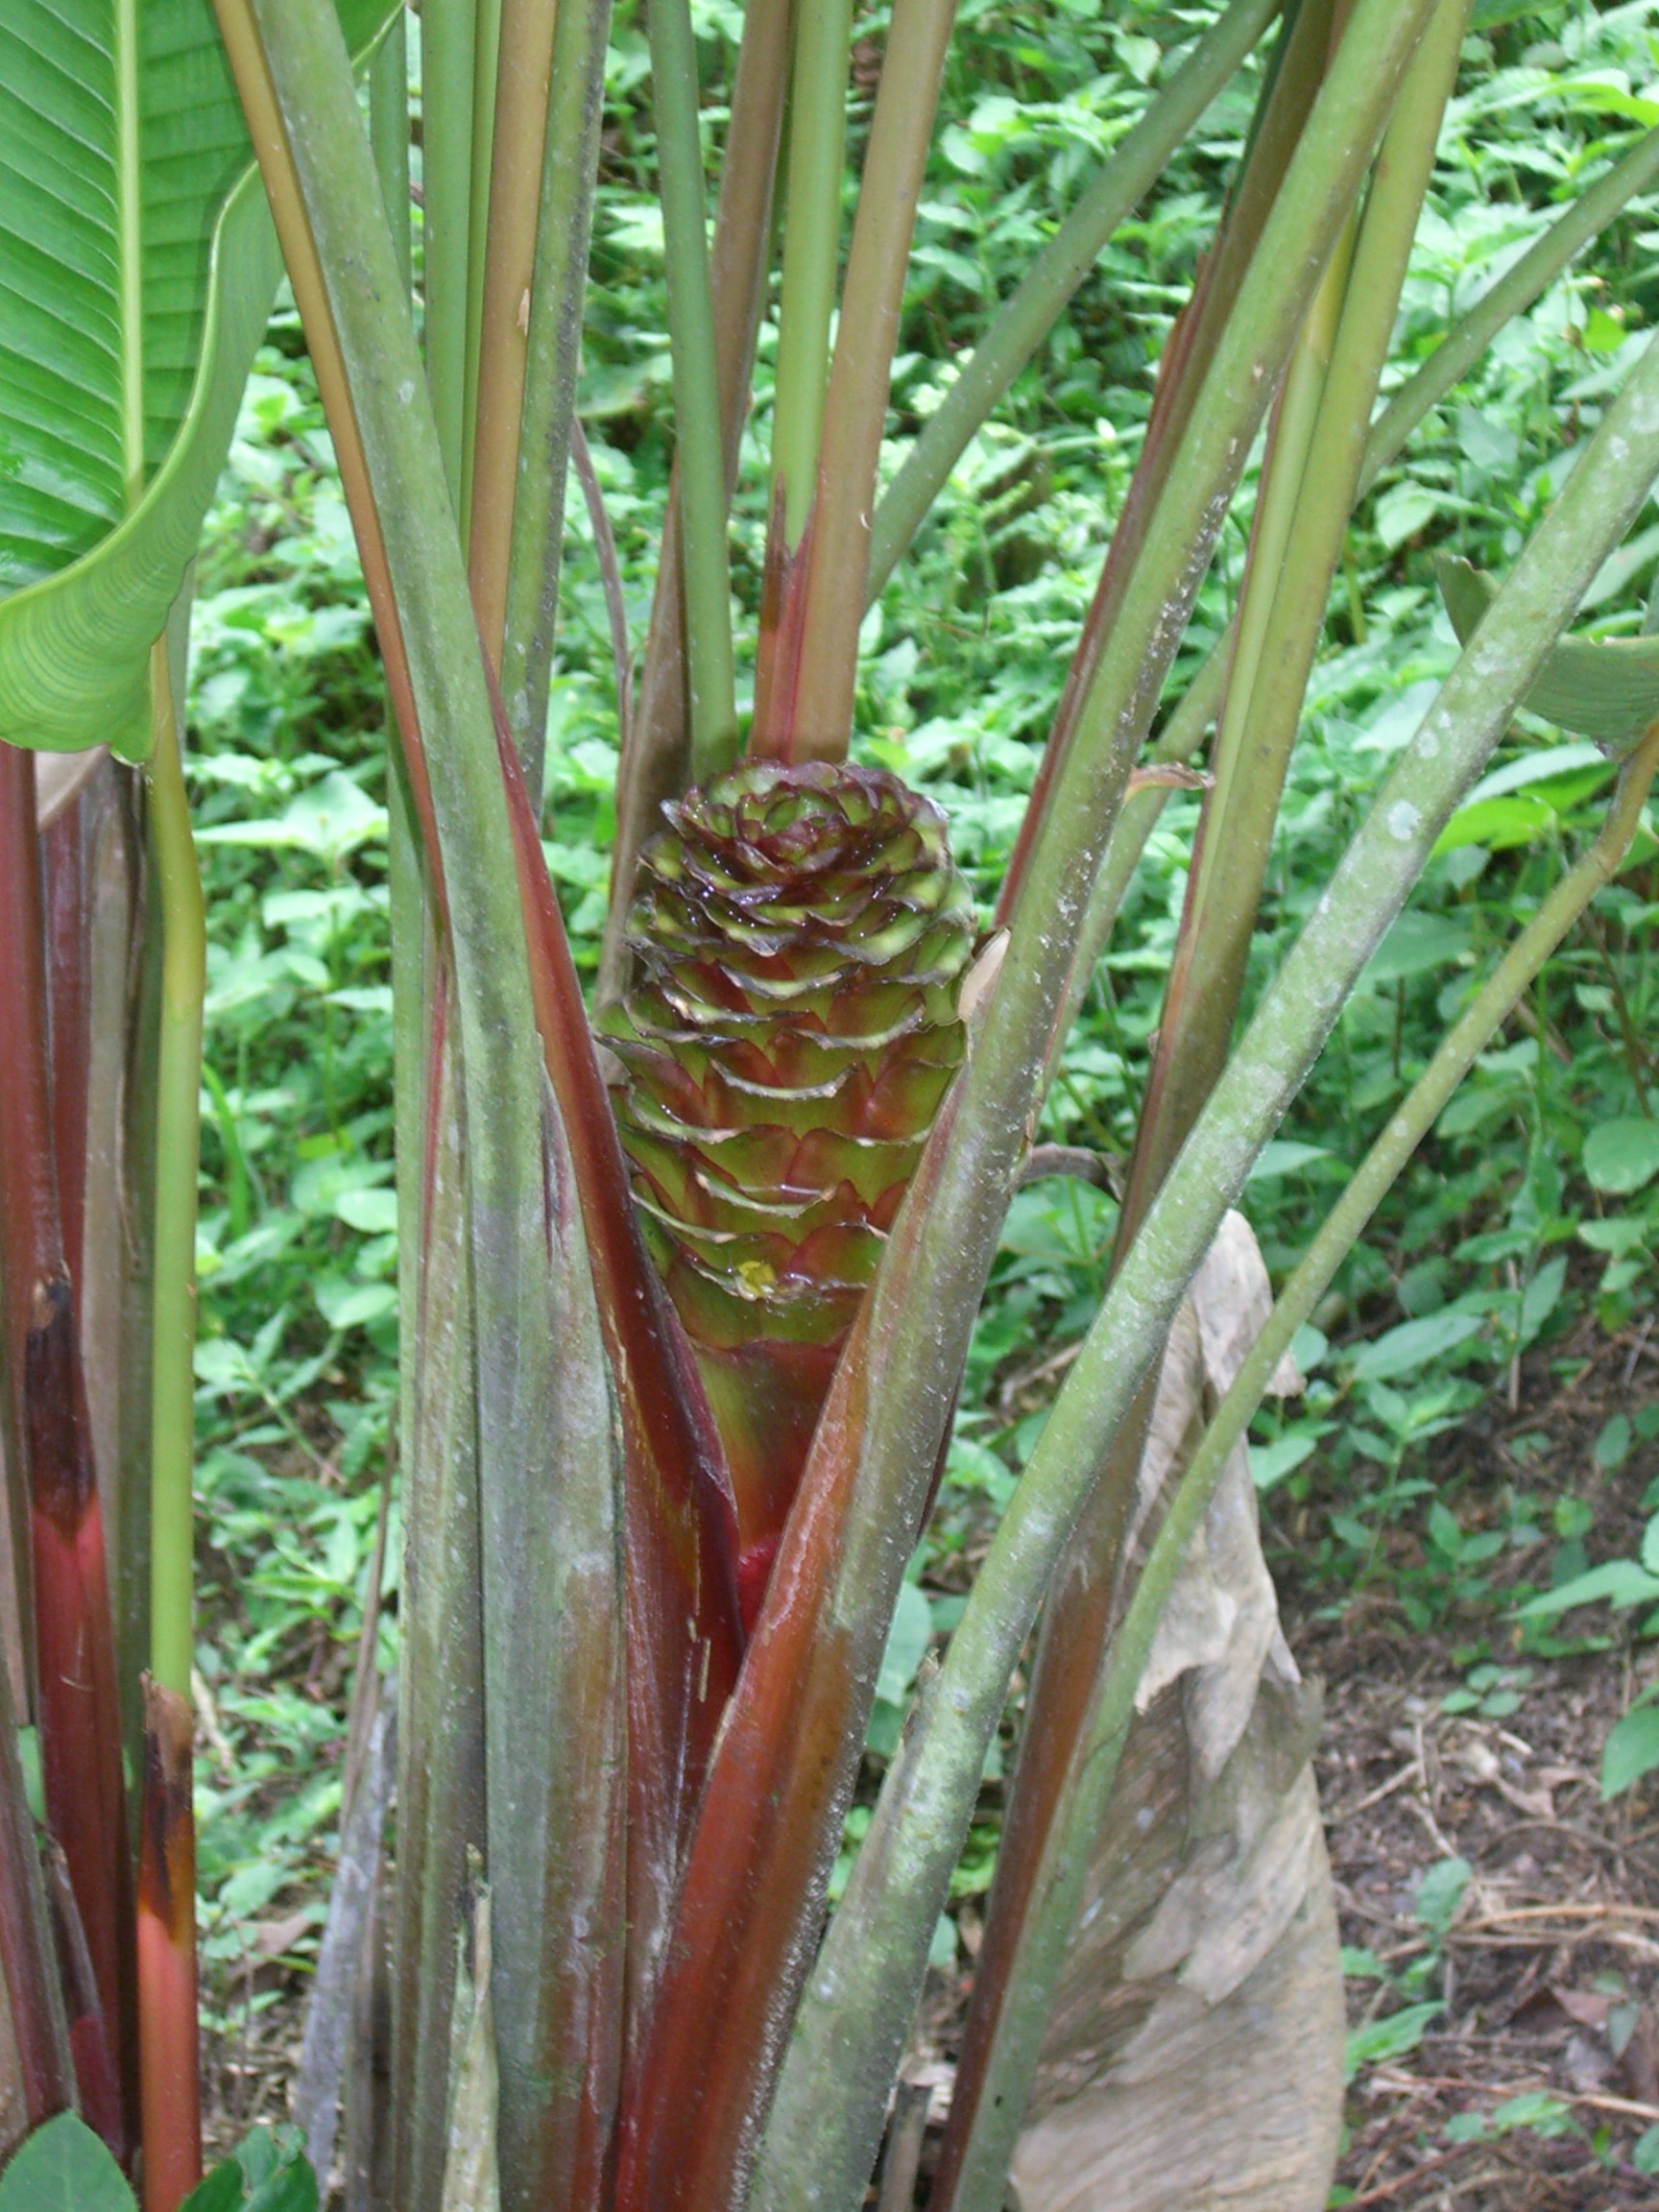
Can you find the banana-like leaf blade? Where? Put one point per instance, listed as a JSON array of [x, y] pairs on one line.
[[1606, 689], [137, 266]]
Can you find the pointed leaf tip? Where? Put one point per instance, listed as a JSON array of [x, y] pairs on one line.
[[1606, 689]]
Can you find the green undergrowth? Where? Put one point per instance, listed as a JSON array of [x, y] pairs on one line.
[[1527, 1230]]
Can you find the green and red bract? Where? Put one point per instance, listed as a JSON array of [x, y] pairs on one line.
[[798, 940]]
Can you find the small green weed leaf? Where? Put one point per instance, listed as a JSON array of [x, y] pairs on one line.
[[269, 2174], [1538, 2112], [1403, 510], [374, 1212], [1441, 1892], [1543, 774], [1283, 1155], [1417, 944], [1443, 1529], [906, 1642], [1611, 1449], [1631, 1750], [1603, 687], [1390, 2038], [329, 820], [1497, 823], [1618, 1582], [1650, 1539], [1541, 1297], [1270, 1463], [1619, 1234], [1620, 1156], [1412, 1345], [345, 1304], [1362, 1965], [63, 2167], [1644, 2157]]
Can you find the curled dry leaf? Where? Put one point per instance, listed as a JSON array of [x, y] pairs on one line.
[[1194, 2057]]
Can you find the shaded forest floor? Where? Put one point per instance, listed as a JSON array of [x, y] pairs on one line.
[[1532, 2088]]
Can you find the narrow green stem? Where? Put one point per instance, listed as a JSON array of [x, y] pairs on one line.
[[449, 41], [178, 1151], [1028, 314], [389, 132], [813, 238], [1446, 367], [1287, 479], [507, 268], [1511, 294], [485, 65], [569, 172], [1302, 514], [815, 716], [826, 2115], [654, 767], [706, 566]]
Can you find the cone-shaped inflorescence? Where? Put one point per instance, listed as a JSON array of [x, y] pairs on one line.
[[798, 945]]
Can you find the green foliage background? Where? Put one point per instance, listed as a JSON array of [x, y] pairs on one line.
[[1535, 1204]]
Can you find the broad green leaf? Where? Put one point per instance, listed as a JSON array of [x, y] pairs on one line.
[[1541, 1297], [1417, 943], [906, 1642], [1412, 1345], [1441, 1892], [64, 2168], [1604, 687], [1617, 1582], [1286, 1156], [1389, 2038], [137, 265], [1631, 1749], [1497, 823], [1622, 1155], [1541, 772], [267, 2174]]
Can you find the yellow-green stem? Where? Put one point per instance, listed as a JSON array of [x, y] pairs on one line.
[[815, 718], [179, 1083], [813, 238], [485, 63], [697, 438], [448, 37]]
